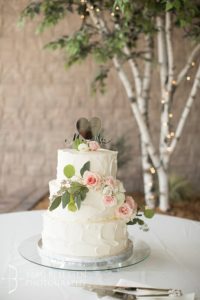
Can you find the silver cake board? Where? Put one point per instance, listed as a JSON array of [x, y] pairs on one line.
[[31, 250]]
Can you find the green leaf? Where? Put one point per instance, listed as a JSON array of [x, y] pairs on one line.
[[75, 187], [169, 5], [65, 199], [72, 207], [55, 203], [83, 193], [69, 171], [77, 199], [149, 213], [85, 167], [136, 221]]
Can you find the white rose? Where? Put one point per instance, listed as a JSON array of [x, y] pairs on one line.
[[120, 187], [107, 191], [120, 197], [83, 147]]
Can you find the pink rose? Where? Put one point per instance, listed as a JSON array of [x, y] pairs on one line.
[[109, 200], [91, 179], [110, 181], [93, 145], [131, 202], [124, 211]]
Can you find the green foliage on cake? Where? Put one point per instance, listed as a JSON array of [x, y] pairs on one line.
[[72, 192], [69, 171]]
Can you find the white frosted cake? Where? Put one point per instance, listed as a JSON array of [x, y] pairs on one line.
[[94, 230], [88, 212]]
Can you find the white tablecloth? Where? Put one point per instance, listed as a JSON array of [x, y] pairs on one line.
[[174, 261]]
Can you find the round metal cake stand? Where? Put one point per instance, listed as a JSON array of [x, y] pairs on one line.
[[30, 250]]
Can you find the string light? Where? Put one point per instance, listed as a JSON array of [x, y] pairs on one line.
[[82, 1], [112, 14], [152, 170], [171, 115], [97, 9], [169, 136], [91, 7], [188, 78], [117, 7], [82, 16], [162, 101], [174, 82], [172, 134], [193, 64]]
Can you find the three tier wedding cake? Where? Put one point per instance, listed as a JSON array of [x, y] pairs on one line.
[[88, 212]]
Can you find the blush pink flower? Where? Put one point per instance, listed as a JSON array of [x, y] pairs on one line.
[[131, 202], [109, 200], [91, 179], [124, 212], [93, 145], [110, 181]]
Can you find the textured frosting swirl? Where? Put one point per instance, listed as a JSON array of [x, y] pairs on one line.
[[92, 240], [102, 161]]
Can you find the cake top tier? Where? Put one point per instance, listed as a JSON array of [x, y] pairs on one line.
[[102, 161]]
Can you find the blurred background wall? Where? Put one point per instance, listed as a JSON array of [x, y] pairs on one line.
[[40, 102]]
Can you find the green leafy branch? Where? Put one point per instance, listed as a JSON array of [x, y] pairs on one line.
[[71, 197]]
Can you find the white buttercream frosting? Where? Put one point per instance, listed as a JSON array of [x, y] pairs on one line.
[[95, 239], [94, 230], [102, 161]]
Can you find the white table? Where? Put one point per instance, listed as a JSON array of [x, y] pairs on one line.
[[174, 261]]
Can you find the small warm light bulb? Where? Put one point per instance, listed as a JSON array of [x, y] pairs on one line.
[[97, 9], [112, 14], [82, 1], [117, 7], [171, 115], [91, 7], [172, 133], [82, 16], [162, 101], [174, 82], [188, 78], [193, 64], [152, 170]]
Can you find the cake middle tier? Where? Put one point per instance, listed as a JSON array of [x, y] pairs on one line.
[[92, 208], [102, 161]]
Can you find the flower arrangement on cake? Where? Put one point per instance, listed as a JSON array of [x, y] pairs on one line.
[[76, 185]]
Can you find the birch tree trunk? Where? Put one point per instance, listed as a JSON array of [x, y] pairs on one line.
[[142, 87], [166, 68], [163, 189], [147, 167]]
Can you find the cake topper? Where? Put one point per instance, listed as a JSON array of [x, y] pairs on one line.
[[89, 130], [90, 135]]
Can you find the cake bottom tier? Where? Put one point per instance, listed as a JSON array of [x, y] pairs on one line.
[[94, 239]]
